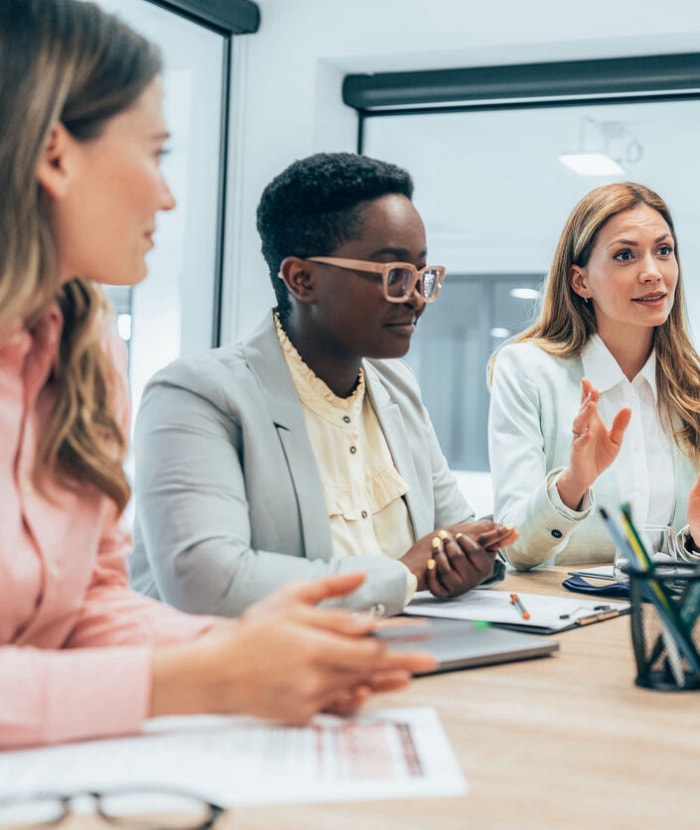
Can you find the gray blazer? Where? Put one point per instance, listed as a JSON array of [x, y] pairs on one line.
[[229, 502]]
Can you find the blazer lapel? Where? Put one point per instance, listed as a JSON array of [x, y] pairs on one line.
[[266, 361], [396, 435]]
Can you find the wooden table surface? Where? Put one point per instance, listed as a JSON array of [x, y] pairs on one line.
[[567, 741], [549, 744]]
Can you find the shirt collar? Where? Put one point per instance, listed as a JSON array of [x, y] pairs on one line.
[[312, 391], [604, 372]]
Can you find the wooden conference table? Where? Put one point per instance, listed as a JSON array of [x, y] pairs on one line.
[[549, 744], [560, 742]]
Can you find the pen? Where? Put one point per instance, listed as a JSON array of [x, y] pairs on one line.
[[518, 603]]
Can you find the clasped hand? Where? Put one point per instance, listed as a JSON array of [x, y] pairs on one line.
[[450, 561]]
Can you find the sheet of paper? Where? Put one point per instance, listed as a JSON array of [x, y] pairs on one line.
[[546, 612], [391, 753], [599, 572]]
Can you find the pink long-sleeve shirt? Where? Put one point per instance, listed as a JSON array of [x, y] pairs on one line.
[[76, 644]]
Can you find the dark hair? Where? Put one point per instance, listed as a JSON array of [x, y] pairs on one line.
[[317, 203]]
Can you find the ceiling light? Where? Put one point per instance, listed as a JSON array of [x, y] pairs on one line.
[[591, 164], [524, 293]]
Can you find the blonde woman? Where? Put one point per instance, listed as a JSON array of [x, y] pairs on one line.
[[599, 400], [81, 134]]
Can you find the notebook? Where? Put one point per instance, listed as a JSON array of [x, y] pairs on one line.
[[544, 614], [459, 644]]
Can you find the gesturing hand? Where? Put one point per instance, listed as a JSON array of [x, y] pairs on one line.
[[594, 447], [284, 659], [454, 559]]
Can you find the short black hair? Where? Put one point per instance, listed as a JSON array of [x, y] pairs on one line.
[[317, 203]]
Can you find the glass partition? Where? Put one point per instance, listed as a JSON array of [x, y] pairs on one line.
[[494, 193], [175, 310]]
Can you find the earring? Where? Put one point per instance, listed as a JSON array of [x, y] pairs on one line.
[[586, 300]]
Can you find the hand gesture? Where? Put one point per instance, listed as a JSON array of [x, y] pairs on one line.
[[452, 560], [593, 447], [285, 660]]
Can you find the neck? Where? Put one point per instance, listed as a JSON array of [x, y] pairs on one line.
[[630, 347], [339, 371]]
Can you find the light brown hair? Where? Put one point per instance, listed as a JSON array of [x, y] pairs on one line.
[[566, 321], [70, 62]]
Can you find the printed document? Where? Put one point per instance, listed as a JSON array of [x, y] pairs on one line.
[[390, 753]]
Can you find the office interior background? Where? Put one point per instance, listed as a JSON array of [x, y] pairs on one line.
[[487, 147]]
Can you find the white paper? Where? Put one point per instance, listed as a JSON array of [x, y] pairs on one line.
[[485, 604], [600, 572], [391, 753]]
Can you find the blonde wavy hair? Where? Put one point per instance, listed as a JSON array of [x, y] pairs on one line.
[[566, 321], [63, 61]]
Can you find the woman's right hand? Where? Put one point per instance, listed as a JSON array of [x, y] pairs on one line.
[[287, 662], [594, 447]]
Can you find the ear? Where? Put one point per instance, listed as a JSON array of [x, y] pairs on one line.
[[579, 283], [299, 278], [53, 167]]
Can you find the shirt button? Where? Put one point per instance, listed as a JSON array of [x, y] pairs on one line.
[[378, 609], [557, 533], [353, 450], [364, 514], [346, 418]]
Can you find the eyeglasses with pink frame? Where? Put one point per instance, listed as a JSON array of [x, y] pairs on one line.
[[399, 279]]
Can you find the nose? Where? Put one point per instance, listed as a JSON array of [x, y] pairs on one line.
[[416, 301], [650, 270], [167, 200]]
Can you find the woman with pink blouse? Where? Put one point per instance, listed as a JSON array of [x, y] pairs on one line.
[[81, 134]]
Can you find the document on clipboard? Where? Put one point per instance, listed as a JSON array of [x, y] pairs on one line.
[[536, 613]]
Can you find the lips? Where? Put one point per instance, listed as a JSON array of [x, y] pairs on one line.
[[651, 298]]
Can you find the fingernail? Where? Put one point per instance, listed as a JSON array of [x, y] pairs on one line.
[[458, 535], [430, 565], [436, 543], [443, 534]]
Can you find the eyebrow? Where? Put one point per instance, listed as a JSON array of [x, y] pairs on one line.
[[401, 254], [633, 244]]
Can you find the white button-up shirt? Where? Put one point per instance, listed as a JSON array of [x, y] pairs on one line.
[[644, 466]]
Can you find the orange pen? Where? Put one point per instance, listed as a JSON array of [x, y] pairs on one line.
[[518, 603]]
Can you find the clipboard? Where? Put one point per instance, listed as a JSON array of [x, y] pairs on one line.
[[547, 614]]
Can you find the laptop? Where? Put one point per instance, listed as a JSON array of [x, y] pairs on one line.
[[463, 644]]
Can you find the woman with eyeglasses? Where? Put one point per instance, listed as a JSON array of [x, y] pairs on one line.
[[305, 449], [82, 655]]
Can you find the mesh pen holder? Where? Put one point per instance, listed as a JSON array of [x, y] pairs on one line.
[[662, 662]]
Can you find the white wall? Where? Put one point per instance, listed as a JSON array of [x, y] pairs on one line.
[[287, 77]]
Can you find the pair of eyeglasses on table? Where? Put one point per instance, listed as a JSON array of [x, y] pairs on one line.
[[140, 809]]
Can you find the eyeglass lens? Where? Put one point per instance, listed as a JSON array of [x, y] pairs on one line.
[[400, 282]]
